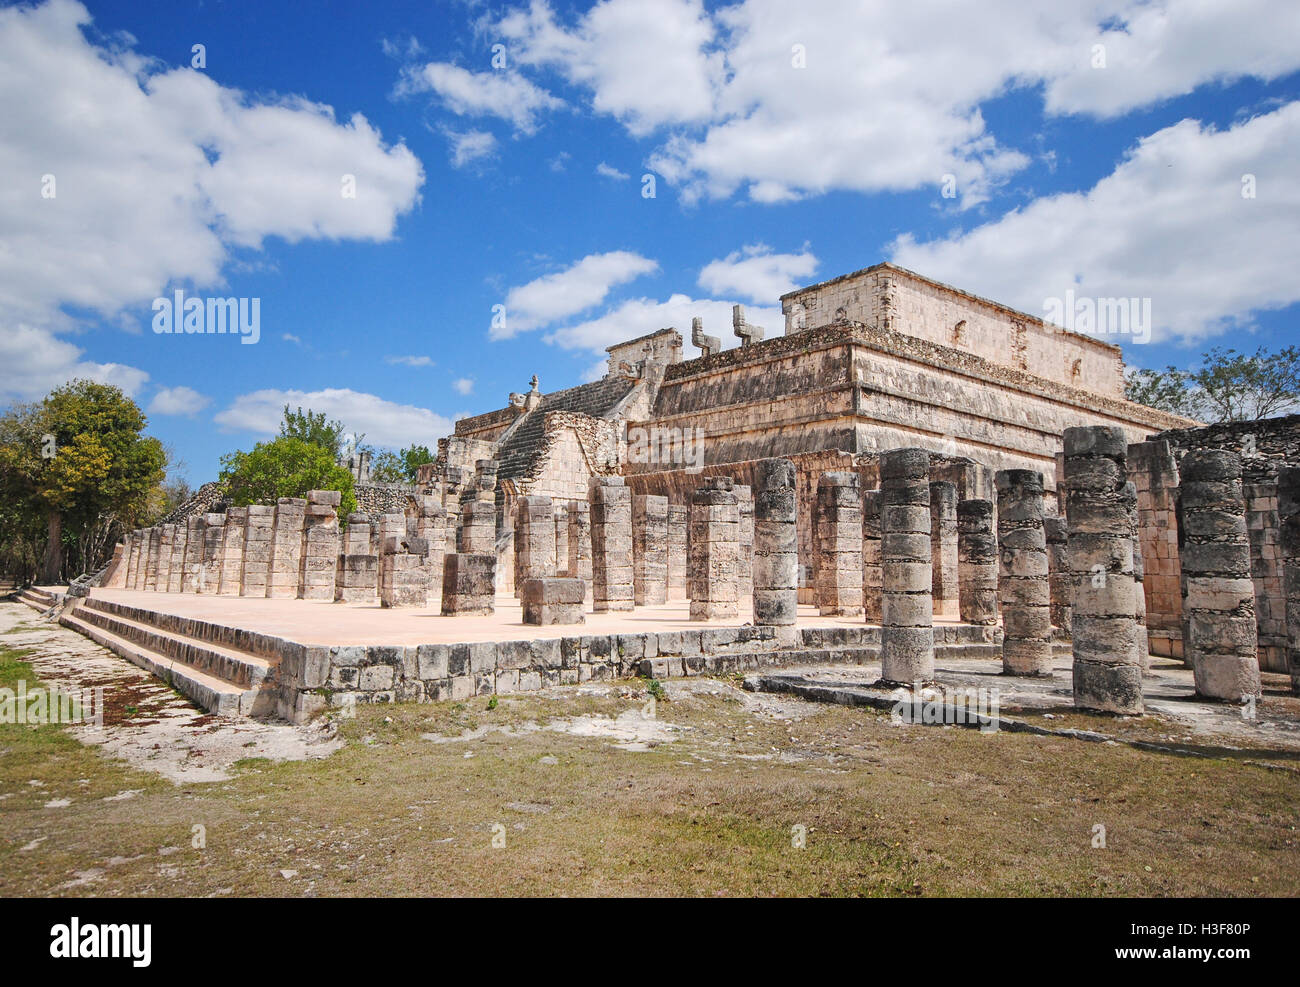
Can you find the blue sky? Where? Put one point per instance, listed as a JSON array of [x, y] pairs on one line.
[[1097, 146]]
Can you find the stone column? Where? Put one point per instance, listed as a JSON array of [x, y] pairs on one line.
[[166, 549], [649, 550], [1058, 573], [611, 544], [1023, 588], [214, 531], [318, 568], [678, 519], [776, 545], [552, 600], [403, 578], [534, 540], [286, 548], [176, 572], [745, 558], [943, 548], [871, 602], [193, 554], [560, 509], [977, 563], [454, 481], [469, 584], [258, 532], [1139, 590], [1219, 596], [714, 550], [154, 547], [1151, 465], [1288, 513], [1107, 651], [478, 528], [140, 555], [431, 525], [907, 610], [232, 552], [357, 579], [839, 542], [580, 542], [130, 552]]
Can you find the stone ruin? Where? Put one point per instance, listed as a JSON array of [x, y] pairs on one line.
[[1053, 517]]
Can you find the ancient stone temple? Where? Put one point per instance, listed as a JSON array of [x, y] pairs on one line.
[[878, 359], [906, 471]]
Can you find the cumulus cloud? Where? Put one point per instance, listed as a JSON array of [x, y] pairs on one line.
[[411, 360], [778, 101], [110, 155], [557, 296], [1170, 223], [757, 274], [649, 65], [495, 93], [609, 171], [33, 361], [384, 423], [179, 400], [1155, 51], [469, 146], [463, 385]]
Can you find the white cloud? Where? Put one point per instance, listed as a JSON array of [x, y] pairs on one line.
[[162, 172], [33, 361], [494, 93], [1170, 223], [638, 316], [557, 296], [1164, 49], [646, 64], [757, 274], [410, 360], [469, 145], [384, 423], [463, 385], [179, 400], [609, 171], [778, 100]]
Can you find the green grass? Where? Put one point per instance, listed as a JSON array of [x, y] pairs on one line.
[[887, 811]]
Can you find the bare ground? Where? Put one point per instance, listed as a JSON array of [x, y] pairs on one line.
[[599, 790]]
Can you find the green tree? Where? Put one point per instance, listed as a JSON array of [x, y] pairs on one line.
[[1227, 386], [413, 457], [80, 462], [399, 467], [312, 426], [284, 467]]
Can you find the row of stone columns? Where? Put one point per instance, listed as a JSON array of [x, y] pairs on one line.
[[289, 551]]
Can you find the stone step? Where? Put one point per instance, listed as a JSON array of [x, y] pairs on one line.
[[748, 661], [266, 647], [210, 693], [37, 599], [239, 669]]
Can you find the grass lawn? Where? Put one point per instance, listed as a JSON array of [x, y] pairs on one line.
[[520, 809]]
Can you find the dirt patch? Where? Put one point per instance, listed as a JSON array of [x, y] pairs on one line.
[[147, 723]]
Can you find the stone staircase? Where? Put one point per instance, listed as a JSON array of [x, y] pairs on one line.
[[37, 598], [198, 659]]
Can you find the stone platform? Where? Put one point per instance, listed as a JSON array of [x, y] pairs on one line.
[[1039, 704], [292, 658]]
